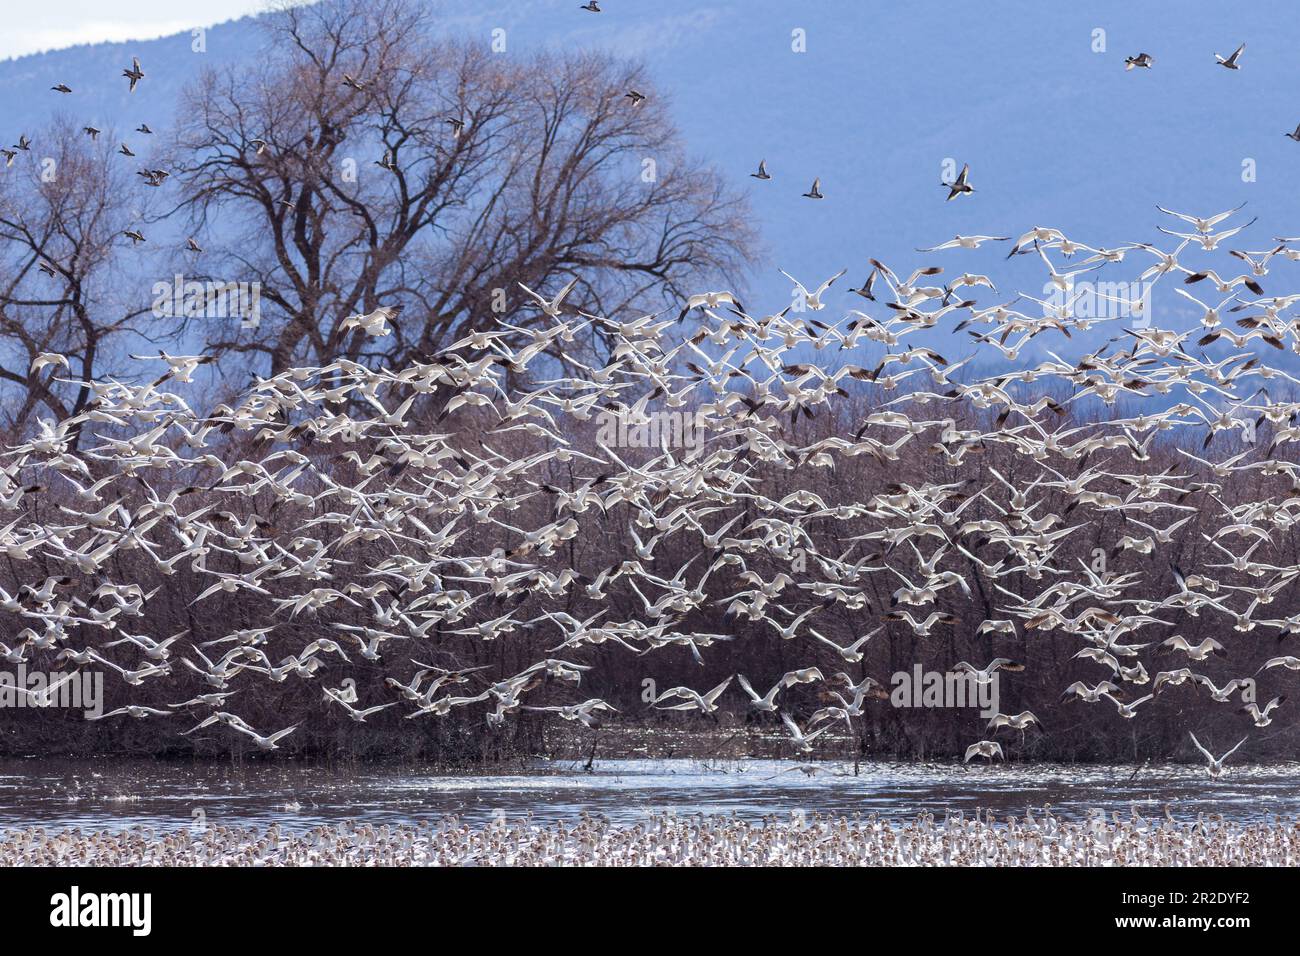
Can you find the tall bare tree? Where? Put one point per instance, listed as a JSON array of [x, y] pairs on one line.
[[364, 162]]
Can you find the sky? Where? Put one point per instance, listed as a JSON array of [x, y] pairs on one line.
[[56, 24]]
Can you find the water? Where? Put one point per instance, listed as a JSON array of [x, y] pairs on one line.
[[115, 794]]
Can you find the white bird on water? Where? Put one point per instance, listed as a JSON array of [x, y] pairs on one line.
[[990, 749]]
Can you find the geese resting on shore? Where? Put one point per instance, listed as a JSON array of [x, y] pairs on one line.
[[1038, 838]]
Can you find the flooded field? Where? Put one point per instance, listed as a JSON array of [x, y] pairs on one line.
[[116, 794]]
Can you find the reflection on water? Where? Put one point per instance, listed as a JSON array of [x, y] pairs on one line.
[[118, 793]]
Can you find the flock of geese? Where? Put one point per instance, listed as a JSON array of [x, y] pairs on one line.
[[1038, 838], [392, 516], [395, 517]]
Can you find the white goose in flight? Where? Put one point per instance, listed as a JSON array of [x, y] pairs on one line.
[[1202, 225], [985, 675], [134, 710], [812, 300], [551, 307], [1021, 721], [965, 242], [766, 703], [990, 749], [374, 324], [1215, 764], [269, 742], [801, 739], [704, 703], [1262, 716]]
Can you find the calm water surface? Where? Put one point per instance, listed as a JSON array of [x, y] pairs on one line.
[[117, 793]]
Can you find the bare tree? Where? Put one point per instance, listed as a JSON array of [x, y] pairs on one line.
[[63, 213], [361, 162]]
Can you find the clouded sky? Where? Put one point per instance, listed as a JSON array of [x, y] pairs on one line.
[[62, 23]]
